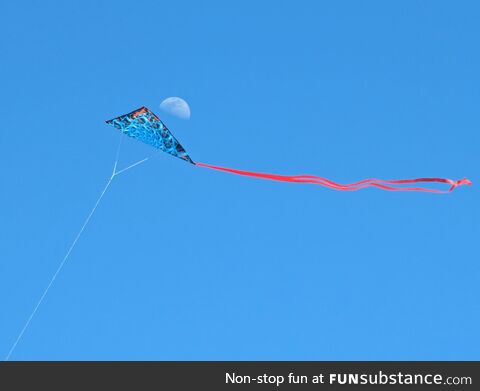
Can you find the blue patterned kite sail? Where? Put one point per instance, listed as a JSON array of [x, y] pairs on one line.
[[145, 126]]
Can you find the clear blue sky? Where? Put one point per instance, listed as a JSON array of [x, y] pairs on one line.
[[185, 263]]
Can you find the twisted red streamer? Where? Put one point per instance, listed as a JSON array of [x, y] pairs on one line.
[[390, 185]]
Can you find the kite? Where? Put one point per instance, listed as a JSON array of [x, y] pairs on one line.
[[145, 126]]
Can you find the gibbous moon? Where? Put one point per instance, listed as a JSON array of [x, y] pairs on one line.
[[176, 106]]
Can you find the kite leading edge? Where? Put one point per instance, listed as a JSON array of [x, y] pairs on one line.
[[145, 126]]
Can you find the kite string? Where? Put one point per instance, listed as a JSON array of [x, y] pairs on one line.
[[60, 267], [72, 246]]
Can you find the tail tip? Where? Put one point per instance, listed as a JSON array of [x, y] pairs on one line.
[[464, 181]]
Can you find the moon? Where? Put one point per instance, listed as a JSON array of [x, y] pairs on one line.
[[176, 106]]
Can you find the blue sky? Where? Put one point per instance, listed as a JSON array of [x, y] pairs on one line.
[[185, 263]]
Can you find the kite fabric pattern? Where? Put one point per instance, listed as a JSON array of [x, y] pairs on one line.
[[145, 126]]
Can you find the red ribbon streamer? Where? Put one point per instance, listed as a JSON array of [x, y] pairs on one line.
[[371, 182]]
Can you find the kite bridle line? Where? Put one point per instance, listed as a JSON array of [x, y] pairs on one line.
[[72, 246]]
